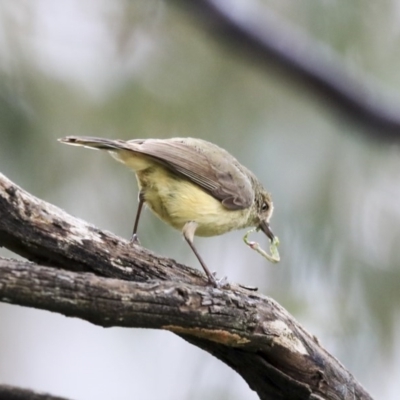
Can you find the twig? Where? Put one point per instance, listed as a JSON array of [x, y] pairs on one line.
[[269, 41]]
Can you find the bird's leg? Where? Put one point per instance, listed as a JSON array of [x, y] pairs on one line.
[[134, 238], [188, 233]]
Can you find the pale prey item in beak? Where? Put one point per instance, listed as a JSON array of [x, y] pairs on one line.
[[273, 248]]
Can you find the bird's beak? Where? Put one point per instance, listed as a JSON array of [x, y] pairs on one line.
[[264, 226]]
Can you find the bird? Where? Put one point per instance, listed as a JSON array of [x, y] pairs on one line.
[[194, 186]]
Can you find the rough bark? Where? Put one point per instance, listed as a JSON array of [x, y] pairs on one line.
[[83, 272], [15, 393]]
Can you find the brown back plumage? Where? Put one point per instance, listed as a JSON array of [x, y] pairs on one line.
[[203, 163]]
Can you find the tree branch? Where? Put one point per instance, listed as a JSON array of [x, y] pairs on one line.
[[248, 331], [46, 234], [14, 393], [269, 41]]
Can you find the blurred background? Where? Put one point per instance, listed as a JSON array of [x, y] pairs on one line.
[[140, 68]]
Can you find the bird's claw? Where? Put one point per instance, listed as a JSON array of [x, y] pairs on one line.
[[223, 282], [251, 288], [219, 283], [134, 239]]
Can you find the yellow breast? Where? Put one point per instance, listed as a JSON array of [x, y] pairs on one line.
[[176, 201]]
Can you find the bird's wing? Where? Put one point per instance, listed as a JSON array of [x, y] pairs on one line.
[[203, 163]]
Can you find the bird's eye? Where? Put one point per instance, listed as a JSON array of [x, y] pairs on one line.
[[265, 206]]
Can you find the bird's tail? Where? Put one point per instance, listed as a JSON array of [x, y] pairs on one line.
[[94, 142], [122, 151]]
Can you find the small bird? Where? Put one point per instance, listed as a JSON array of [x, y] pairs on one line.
[[194, 186]]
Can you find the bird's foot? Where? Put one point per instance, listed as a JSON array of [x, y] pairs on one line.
[[134, 239], [224, 284], [219, 283]]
